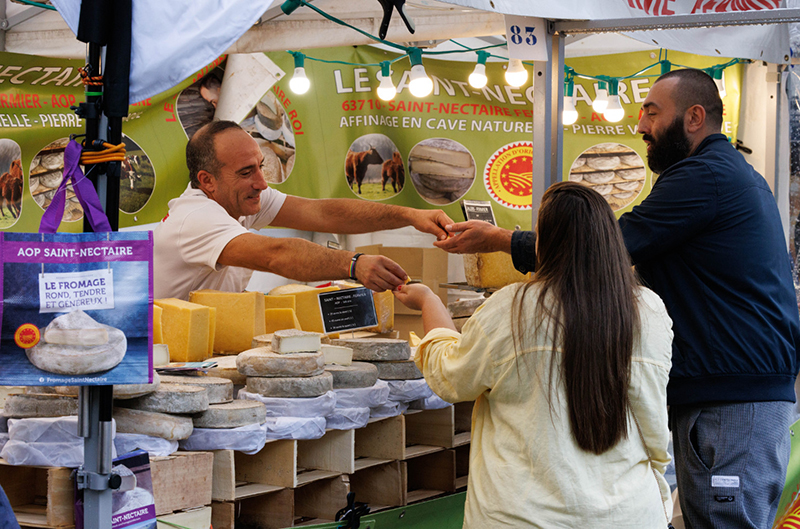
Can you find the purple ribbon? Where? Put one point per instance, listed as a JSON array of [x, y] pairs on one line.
[[84, 190]]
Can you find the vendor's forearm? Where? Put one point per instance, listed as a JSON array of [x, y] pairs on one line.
[[344, 215]]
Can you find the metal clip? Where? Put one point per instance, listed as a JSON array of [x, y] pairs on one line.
[[352, 513]]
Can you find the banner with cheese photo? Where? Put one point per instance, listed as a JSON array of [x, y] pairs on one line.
[[76, 307]]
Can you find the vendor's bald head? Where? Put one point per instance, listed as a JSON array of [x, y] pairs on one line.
[[695, 87], [200, 153]]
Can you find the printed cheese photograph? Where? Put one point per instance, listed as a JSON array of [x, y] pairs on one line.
[[269, 125], [442, 170], [76, 344], [373, 167], [612, 169], [46, 172], [11, 182], [197, 102]]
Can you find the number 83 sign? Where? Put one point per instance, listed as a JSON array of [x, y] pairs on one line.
[[527, 38]]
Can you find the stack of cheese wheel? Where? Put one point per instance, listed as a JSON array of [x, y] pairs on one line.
[[348, 375], [614, 170]]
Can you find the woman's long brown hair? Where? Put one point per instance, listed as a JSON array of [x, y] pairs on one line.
[[587, 300]]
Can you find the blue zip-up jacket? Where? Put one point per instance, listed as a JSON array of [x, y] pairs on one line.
[[708, 240]]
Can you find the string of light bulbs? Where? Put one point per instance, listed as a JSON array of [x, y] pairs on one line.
[[606, 101]]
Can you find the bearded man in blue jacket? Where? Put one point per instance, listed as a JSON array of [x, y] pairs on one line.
[[708, 239]]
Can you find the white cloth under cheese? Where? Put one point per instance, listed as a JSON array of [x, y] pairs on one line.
[[187, 244], [525, 468]]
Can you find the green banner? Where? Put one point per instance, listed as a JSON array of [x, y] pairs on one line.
[[339, 139]]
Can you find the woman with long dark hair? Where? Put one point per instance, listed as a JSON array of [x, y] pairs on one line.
[[569, 374]]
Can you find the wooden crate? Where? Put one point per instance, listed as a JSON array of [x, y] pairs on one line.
[[227, 484], [181, 481], [318, 502], [382, 486], [289, 463], [266, 511], [462, 465], [430, 475], [386, 439], [462, 413], [40, 496], [197, 518]]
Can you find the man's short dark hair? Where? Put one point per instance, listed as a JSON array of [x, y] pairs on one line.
[[696, 87], [200, 154]]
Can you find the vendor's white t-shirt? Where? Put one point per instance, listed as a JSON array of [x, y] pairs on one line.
[[191, 238]]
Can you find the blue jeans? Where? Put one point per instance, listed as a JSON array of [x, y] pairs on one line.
[[730, 462]]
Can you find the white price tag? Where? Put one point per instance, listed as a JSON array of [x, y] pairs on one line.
[[527, 38], [88, 290]]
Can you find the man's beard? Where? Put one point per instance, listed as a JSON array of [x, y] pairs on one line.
[[672, 147]]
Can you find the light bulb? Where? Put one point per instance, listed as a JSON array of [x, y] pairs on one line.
[[516, 74], [477, 79], [721, 85], [299, 83], [386, 90], [601, 101], [569, 115], [420, 84], [614, 111]]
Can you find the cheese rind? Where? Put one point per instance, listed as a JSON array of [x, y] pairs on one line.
[[376, 349], [171, 398], [279, 319], [290, 386], [295, 341], [232, 415], [219, 390], [226, 368], [262, 362], [185, 327], [170, 427], [337, 354], [39, 405], [356, 375], [96, 336], [240, 316], [400, 370]]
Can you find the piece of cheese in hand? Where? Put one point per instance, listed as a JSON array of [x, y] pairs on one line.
[[295, 341], [96, 336], [336, 354]]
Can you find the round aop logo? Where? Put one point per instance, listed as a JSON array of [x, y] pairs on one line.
[[27, 335], [508, 175]]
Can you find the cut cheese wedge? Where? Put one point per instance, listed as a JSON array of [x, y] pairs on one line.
[[337, 354], [279, 302], [240, 316], [307, 303], [186, 328], [280, 319], [158, 336], [448, 156], [295, 341], [491, 270]]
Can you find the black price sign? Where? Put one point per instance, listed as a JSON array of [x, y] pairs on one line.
[[347, 310], [478, 210]]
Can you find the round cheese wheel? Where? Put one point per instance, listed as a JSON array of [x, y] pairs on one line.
[[232, 415], [405, 370], [219, 389], [171, 398], [39, 405], [170, 427], [290, 386], [376, 349], [356, 375], [262, 362]]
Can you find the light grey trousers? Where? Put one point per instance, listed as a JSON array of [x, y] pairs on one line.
[[730, 462]]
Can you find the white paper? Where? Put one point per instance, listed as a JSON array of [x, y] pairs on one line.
[[370, 397], [321, 406], [408, 390], [87, 290], [155, 446], [248, 439], [390, 409], [64, 454], [295, 427], [48, 429], [434, 402], [348, 419]]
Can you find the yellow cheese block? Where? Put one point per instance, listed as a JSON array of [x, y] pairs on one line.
[[307, 303], [279, 302], [280, 319], [240, 316], [491, 270], [384, 307], [185, 329], [158, 337], [212, 329]]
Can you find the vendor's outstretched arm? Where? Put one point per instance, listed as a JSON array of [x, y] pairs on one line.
[[303, 260], [477, 236], [344, 215]]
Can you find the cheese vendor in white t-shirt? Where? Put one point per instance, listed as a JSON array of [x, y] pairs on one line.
[[205, 240]]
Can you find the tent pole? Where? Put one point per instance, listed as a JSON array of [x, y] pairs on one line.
[[548, 134]]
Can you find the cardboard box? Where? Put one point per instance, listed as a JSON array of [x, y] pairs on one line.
[[428, 265]]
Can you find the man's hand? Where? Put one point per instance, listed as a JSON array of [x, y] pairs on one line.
[[379, 273], [432, 221], [475, 236]]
